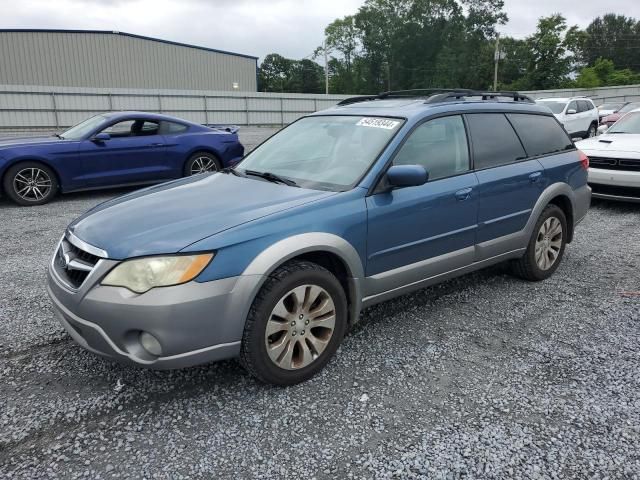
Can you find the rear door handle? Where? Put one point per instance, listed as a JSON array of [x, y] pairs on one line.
[[535, 176], [464, 194]]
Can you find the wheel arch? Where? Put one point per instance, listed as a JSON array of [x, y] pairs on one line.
[[559, 194], [18, 161], [564, 203], [328, 250]]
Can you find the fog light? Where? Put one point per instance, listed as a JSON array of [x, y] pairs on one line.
[[150, 344]]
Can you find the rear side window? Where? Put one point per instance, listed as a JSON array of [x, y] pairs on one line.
[[171, 128], [540, 134], [439, 145], [494, 140], [583, 106]]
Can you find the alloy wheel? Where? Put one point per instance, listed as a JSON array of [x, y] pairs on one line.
[[548, 243], [203, 165], [300, 327], [32, 184]]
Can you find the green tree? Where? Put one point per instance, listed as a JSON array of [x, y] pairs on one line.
[[603, 74], [548, 61], [274, 72], [614, 37]]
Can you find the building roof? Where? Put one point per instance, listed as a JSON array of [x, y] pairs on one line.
[[109, 32]]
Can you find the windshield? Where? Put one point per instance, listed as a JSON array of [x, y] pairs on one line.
[[82, 129], [556, 107], [324, 152], [610, 106], [630, 123], [628, 107]]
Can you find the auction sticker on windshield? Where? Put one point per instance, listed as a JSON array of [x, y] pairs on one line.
[[378, 123]]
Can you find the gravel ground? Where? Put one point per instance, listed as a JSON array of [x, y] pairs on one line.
[[483, 376]]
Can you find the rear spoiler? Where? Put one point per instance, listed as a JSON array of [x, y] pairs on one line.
[[226, 128]]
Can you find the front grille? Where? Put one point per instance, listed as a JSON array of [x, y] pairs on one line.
[[614, 190], [624, 164], [74, 264]]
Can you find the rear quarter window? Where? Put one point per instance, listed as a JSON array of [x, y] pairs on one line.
[[494, 141], [540, 134], [172, 128]]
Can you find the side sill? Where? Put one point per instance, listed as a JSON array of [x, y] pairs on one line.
[[389, 294]]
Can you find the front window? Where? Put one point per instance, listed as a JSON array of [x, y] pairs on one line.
[[82, 129], [630, 123], [556, 107], [324, 152]]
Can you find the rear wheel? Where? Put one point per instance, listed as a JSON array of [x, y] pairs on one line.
[[30, 183], [593, 130], [202, 162], [546, 246], [295, 324]]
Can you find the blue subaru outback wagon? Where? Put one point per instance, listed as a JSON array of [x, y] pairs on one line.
[[273, 260]]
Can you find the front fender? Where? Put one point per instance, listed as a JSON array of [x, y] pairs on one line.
[[282, 251]]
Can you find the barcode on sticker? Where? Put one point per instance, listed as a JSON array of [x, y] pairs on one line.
[[378, 123]]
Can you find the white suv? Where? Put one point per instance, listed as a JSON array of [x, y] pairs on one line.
[[578, 115]]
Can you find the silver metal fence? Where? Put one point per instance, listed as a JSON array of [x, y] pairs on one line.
[[24, 108], [28, 109]]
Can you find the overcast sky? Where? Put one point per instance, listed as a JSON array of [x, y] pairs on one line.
[[293, 28]]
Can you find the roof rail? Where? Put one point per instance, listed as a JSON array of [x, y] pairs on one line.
[[437, 95], [513, 96]]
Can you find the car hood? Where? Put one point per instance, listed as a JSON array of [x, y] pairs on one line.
[[610, 143], [17, 141], [614, 117], [169, 217]]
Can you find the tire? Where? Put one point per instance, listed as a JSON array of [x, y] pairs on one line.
[[532, 266], [30, 183], [592, 132], [296, 350], [201, 162]]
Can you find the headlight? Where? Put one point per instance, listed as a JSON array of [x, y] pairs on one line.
[[143, 274]]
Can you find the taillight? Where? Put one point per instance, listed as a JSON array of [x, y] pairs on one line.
[[584, 160]]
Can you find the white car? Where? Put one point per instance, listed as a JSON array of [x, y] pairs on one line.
[[578, 115], [609, 108], [614, 160]]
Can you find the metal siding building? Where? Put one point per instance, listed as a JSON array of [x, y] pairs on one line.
[[103, 59]]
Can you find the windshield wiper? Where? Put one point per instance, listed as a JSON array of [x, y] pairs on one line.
[[232, 171], [59, 136], [272, 177]]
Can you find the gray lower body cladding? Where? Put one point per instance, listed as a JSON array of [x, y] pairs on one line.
[[194, 323]]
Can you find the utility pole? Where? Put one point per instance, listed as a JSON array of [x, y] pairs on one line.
[[496, 59], [326, 68]]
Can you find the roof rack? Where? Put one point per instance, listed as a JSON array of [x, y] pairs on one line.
[[438, 95]]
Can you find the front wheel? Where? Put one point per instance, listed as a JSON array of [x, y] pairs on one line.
[[295, 324], [201, 162], [593, 130], [30, 183], [546, 246]]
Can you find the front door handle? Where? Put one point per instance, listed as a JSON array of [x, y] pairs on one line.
[[535, 176], [464, 194], [157, 145]]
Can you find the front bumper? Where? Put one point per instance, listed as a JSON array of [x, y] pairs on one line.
[[194, 323], [615, 184]]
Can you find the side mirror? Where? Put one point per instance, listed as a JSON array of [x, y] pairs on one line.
[[571, 111], [407, 176], [101, 137], [602, 129]]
